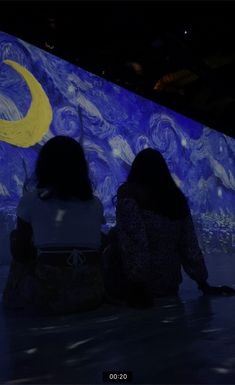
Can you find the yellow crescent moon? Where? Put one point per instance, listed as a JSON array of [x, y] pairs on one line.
[[29, 130]]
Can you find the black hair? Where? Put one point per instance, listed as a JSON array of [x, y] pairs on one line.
[[62, 169], [153, 186]]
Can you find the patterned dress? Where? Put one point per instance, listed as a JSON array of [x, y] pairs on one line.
[[153, 248]]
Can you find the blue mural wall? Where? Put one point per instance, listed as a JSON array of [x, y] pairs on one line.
[[113, 125]]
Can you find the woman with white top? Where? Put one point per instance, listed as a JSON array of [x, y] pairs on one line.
[[56, 263]]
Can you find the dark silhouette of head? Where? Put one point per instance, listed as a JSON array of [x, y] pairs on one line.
[[150, 177], [62, 169], [149, 169]]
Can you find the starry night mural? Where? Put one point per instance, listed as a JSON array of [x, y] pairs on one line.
[[42, 96]]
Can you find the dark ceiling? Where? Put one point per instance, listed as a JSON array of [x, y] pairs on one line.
[[179, 54]]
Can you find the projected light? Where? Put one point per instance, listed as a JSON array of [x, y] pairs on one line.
[[113, 125]]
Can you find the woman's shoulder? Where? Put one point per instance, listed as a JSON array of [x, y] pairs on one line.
[[29, 196], [34, 197], [126, 190], [98, 208], [26, 204]]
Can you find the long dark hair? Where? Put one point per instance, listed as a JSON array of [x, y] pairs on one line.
[[151, 184], [62, 169]]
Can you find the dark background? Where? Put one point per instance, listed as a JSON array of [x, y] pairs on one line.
[[180, 54]]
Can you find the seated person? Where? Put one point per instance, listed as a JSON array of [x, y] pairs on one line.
[[154, 236], [56, 264]]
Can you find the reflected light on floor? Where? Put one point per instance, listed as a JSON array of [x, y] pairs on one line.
[[107, 319], [168, 306], [31, 351], [74, 345], [211, 330], [221, 370], [29, 380]]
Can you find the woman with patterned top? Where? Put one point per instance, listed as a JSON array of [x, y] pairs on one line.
[[154, 237], [56, 265]]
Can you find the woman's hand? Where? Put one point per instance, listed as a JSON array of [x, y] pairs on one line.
[[216, 290]]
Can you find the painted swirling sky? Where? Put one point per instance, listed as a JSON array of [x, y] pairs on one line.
[[114, 125]]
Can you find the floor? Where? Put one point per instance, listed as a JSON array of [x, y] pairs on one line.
[[190, 340]]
